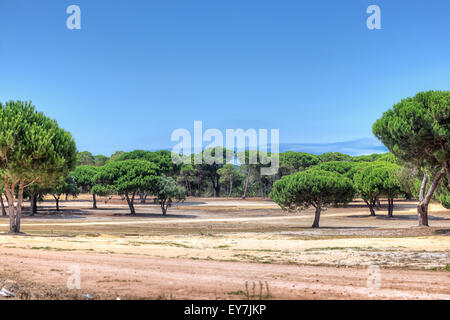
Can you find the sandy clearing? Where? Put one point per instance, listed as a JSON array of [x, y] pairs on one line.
[[163, 220], [411, 252]]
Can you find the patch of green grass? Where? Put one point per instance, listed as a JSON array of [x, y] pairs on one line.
[[170, 244], [57, 249]]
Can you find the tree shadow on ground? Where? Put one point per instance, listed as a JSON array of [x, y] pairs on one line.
[[154, 215], [44, 213], [383, 216], [443, 232], [331, 228], [410, 217], [191, 203]]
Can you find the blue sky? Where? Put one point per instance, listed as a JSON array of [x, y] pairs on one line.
[[137, 70]]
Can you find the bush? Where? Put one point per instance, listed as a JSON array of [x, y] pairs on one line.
[[445, 200]]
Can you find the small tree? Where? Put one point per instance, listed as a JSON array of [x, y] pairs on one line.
[[67, 186], [377, 179], [189, 177], [168, 190], [84, 176], [227, 175], [126, 178], [212, 160], [315, 188], [2, 202], [32, 147], [445, 200]]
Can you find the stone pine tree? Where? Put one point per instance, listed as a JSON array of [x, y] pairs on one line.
[[67, 187], [168, 190], [126, 178], [417, 131], [84, 177], [375, 180], [32, 147], [316, 188]]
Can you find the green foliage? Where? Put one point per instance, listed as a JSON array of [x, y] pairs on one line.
[[313, 187], [67, 186], [32, 145], [116, 155], [84, 176], [229, 175], [417, 130], [291, 162], [377, 179], [334, 156], [445, 200], [162, 159], [388, 157], [100, 160], [128, 176], [167, 191], [212, 160], [341, 167], [85, 158]]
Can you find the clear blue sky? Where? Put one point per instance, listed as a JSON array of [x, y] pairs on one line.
[[137, 70]]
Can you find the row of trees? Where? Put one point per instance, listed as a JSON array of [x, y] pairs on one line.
[[417, 133], [37, 158]]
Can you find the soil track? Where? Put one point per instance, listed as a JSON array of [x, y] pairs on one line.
[[153, 278]]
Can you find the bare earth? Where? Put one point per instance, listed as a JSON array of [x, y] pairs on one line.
[[227, 249]]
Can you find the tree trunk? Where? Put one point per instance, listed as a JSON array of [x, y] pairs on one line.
[[94, 200], [378, 203], [370, 205], [57, 203], [447, 170], [164, 207], [143, 197], [246, 184], [33, 205], [11, 209], [3, 205], [317, 217], [231, 188], [130, 203], [390, 207], [422, 207], [422, 211], [15, 214], [446, 165], [216, 186]]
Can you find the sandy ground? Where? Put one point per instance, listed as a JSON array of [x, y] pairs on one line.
[[228, 249]]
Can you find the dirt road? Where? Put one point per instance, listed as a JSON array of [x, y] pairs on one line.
[[151, 277]]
